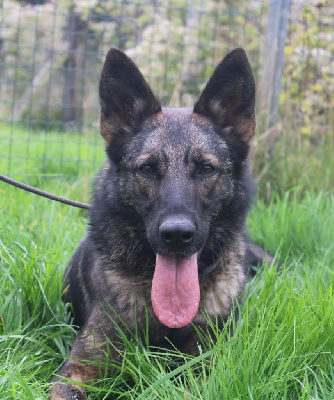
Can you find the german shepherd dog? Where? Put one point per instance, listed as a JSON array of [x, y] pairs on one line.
[[166, 244]]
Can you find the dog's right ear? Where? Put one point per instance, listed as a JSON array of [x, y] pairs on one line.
[[126, 100]]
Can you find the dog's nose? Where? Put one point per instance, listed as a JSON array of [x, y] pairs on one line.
[[177, 231]]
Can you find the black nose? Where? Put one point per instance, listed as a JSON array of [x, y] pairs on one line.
[[177, 232]]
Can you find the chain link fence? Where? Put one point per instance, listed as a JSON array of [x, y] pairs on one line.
[[52, 52]]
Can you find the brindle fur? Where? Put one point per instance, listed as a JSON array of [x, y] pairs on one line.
[[112, 269]]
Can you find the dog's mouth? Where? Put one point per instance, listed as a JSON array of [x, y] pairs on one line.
[[175, 290]]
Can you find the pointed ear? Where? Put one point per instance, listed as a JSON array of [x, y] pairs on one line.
[[125, 97], [229, 97]]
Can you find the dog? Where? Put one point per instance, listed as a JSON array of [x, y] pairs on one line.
[[166, 243]]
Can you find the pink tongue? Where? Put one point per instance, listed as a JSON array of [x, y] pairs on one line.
[[175, 290]]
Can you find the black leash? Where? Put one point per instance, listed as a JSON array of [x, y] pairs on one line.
[[44, 194]]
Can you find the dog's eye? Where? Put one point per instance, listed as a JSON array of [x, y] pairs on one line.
[[147, 170], [206, 170]]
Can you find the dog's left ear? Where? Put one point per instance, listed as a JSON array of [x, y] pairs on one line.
[[228, 99], [126, 100]]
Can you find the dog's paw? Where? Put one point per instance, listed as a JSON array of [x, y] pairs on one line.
[[76, 395], [64, 392]]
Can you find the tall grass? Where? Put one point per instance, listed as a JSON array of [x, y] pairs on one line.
[[283, 160], [283, 342], [48, 154]]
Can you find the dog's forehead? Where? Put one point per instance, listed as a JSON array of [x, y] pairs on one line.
[[174, 129], [177, 113], [176, 123]]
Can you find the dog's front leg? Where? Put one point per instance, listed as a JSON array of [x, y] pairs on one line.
[[85, 364]]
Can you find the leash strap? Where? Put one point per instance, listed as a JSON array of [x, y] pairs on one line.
[[43, 193]]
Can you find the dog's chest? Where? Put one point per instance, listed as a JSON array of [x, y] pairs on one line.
[[217, 298]]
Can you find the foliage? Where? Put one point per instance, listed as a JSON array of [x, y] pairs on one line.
[[309, 70], [176, 46]]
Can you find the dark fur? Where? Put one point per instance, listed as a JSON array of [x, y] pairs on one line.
[[199, 174]]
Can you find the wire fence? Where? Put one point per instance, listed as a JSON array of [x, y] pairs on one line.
[[52, 52]]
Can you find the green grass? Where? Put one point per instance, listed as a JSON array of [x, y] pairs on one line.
[[38, 153], [283, 342]]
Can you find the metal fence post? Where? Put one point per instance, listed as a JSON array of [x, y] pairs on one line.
[[270, 86]]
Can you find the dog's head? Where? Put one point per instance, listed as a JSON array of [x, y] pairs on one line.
[[179, 169]]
